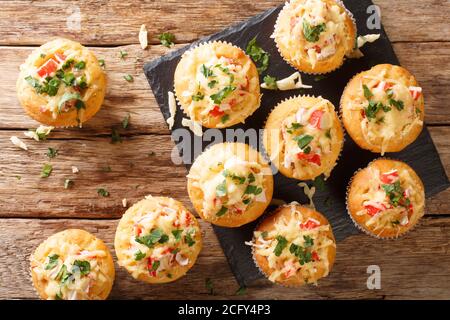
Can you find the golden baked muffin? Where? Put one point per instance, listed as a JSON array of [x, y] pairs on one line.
[[230, 184], [217, 84], [386, 199], [303, 137], [314, 36], [72, 265], [383, 109], [294, 246], [157, 240], [61, 84]]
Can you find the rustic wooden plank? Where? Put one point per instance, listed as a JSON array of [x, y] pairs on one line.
[[133, 175], [424, 251], [123, 97], [117, 22]]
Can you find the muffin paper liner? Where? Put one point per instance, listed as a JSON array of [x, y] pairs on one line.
[[357, 225], [421, 155], [349, 14]]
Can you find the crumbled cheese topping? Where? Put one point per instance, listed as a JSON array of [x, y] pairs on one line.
[[40, 133], [295, 246], [143, 39], [75, 169], [194, 126], [19, 143], [172, 109]]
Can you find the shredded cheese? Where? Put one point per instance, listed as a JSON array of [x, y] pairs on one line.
[[194, 126], [172, 109], [143, 40], [18, 143], [292, 82]]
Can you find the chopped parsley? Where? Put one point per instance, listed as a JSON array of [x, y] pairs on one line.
[[207, 72], [198, 96], [271, 82], [394, 192], [319, 183], [294, 126], [79, 104], [251, 178], [67, 64], [303, 255], [221, 189], [80, 65], [209, 285], [188, 239], [115, 136], [63, 274], [155, 265], [367, 93], [123, 54], [222, 94], [126, 121], [155, 236], [51, 152], [52, 262], [264, 234], [84, 266], [177, 234], [303, 140], [103, 192], [68, 79], [128, 77], [222, 211], [309, 242], [212, 83], [139, 255], [241, 291], [397, 104], [312, 33], [101, 62], [225, 118], [46, 170], [167, 39], [281, 245], [226, 173], [253, 190], [258, 55]]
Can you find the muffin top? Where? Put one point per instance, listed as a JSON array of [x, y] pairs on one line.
[[386, 198], [294, 246], [313, 33], [72, 265], [157, 240], [217, 84], [303, 137], [230, 183], [383, 108], [58, 80]]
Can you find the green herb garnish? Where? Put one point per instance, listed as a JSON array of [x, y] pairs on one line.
[[303, 140], [319, 183], [51, 152], [167, 39], [177, 234], [79, 104], [253, 190], [155, 236], [281, 245], [294, 126], [80, 65], [221, 189], [103, 192], [84, 266], [207, 72], [68, 79], [46, 170], [101, 62], [241, 291], [115, 136], [198, 96], [258, 55], [271, 82], [212, 83], [128, 77], [139, 255], [155, 265], [188, 239], [312, 33], [233, 176], [222, 94], [367, 93], [222, 211], [123, 54], [210, 286], [52, 262], [126, 121], [225, 118]]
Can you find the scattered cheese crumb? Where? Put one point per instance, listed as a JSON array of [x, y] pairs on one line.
[[194, 126], [309, 192], [292, 82], [143, 40], [172, 109], [40, 133], [19, 143], [124, 203], [75, 169], [361, 41]]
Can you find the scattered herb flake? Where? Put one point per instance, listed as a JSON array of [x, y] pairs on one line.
[[312, 33], [123, 54], [103, 192], [80, 65], [222, 211], [222, 94], [167, 39], [84, 266], [225, 118], [209, 286], [258, 55], [126, 121], [139, 255], [115, 136], [46, 170], [319, 183], [281, 245], [271, 82], [51, 152], [101, 62], [52, 262], [241, 291], [128, 77]]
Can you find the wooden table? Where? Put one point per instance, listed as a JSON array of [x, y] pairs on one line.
[[32, 208]]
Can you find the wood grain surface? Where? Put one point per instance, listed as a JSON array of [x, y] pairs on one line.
[[32, 208]]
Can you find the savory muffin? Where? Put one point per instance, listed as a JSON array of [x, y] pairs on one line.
[[314, 36], [230, 184], [303, 137], [294, 246], [61, 84], [217, 85], [383, 109], [157, 240], [72, 265], [386, 199]]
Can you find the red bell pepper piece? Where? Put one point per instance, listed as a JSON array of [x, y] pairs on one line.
[[47, 68], [310, 157]]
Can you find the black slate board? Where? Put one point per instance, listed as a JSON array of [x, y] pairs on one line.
[[421, 155]]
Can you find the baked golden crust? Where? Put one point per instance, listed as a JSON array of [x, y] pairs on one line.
[[61, 243], [362, 197], [328, 136], [401, 133], [325, 237], [227, 66], [41, 107], [293, 46], [211, 165], [174, 256]]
